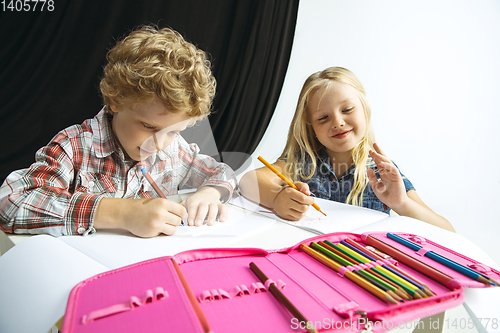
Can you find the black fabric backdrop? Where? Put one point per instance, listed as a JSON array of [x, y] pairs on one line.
[[51, 63]]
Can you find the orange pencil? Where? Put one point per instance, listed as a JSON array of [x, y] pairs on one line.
[[192, 299], [279, 174]]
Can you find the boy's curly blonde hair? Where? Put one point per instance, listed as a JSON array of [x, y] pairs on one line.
[[151, 63]]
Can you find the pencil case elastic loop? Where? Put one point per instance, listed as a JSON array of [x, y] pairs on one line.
[[244, 289], [418, 239], [279, 284], [422, 251], [257, 288], [346, 310], [206, 296], [160, 293], [342, 270], [236, 291], [480, 268], [134, 302], [215, 294], [114, 309], [390, 262], [148, 297], [224, 294]]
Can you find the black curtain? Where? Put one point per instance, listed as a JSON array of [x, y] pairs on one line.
[[51, 63]]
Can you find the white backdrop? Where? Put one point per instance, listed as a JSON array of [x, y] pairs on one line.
[[431, 70]]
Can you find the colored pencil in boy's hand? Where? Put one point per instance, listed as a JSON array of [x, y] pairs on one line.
[[289, 183]]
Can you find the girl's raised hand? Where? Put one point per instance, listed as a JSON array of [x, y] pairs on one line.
[[390, 188]]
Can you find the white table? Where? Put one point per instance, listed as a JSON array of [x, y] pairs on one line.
[[276, 235]]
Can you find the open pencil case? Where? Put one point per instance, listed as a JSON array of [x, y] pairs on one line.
[[214, 290]]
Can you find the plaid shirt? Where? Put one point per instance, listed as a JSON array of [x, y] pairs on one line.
[[60, 192]]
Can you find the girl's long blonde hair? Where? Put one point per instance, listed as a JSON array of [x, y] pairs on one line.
[[302, 146]]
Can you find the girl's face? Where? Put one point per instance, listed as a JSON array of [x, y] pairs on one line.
[[146, 128], [338, 119]]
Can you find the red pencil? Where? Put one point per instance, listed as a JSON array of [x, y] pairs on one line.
[[409, 261], [152, 182]]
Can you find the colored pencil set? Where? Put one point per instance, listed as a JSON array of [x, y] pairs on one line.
[[335, 282], [369, 270]]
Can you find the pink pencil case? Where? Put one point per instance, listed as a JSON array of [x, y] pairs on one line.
[[222, 294]]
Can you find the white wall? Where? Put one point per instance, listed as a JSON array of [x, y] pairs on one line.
[[431, 70]]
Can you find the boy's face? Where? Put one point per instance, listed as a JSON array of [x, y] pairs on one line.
[[338, 118], [146, 128]]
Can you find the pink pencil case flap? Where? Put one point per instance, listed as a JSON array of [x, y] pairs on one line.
[[149, 296]]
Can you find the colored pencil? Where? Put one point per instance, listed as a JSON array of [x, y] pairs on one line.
[[442, 260], [280, 297], [152, 182], [337, 252], [402, 257], [289, 183], [369, 275], [379, 268], [391, 267], [349, 275], [410, 289], [399, 291], [192, 299]]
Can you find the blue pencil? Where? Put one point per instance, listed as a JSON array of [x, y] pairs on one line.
[[442, 260]]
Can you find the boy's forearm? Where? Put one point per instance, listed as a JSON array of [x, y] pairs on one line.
[[109, 213], [415, 210]]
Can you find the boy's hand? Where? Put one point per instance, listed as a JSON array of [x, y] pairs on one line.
[[142, 217], [390, 189], [205, 203], [291, 204]]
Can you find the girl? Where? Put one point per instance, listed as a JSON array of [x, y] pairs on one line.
[[331, 153]]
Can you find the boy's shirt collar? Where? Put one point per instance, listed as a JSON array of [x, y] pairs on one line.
[[103, 138]]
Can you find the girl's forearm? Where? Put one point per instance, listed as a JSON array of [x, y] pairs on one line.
[[261, 186], [415, 210]]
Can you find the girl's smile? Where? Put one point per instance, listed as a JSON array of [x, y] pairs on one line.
[[341, 135]]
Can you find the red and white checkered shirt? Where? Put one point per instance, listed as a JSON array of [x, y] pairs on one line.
[[59, 193]]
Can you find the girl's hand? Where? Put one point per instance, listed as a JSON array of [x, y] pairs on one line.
[[292, 205], [205, 204], [390, 189]]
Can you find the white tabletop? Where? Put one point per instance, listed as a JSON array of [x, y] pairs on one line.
[[265, 232]]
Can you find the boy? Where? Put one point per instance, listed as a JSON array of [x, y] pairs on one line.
[[155, 85]]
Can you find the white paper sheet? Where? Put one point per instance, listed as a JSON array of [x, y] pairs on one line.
[[36, 278], [118, 248], [340, 217]]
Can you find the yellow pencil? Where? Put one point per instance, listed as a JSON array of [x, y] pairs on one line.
[[279, 174]]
